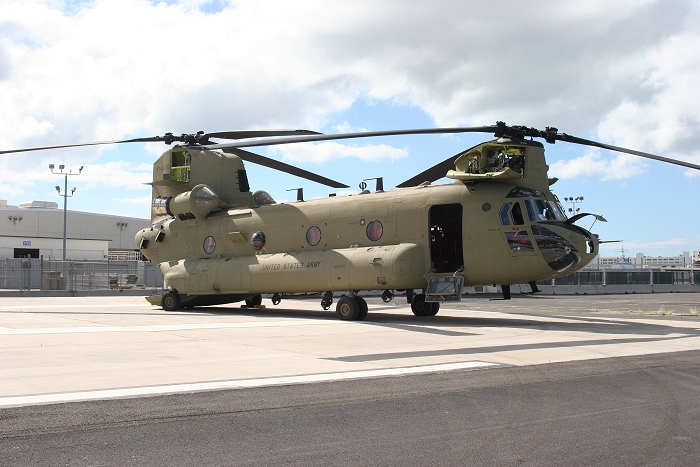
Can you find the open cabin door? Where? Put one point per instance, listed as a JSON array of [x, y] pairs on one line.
[[446, 254]]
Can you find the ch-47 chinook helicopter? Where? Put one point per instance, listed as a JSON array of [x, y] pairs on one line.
[[216, 241]]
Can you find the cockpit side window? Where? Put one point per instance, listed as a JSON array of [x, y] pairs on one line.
[[511, 216], [517, 214], [540, 210], [503, 214]]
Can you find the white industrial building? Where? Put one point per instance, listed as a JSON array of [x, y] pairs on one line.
[[640, 260], [35, 228]]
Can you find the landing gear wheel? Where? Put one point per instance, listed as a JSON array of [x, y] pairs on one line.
[[435, 308], [170, 301], [362, 304], [420, 307], [347, 308], [276, 299], [254, 301]]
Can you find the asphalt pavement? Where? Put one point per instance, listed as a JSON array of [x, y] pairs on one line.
[[302, 388]]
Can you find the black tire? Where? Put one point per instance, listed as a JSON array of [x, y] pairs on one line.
[[254, 301], [347, 309], [420, 307], [435, 307], [170, 301], [362, 304]]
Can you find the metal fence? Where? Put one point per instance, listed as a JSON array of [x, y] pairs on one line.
[[43, 274], [628, 277]]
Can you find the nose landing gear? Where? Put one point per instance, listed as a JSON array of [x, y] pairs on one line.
[[420, 307]]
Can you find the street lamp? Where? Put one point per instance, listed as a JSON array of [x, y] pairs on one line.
[[65, 195], [574, 201], [121, 226]]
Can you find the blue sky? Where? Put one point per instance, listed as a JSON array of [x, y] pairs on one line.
[[623, 73]]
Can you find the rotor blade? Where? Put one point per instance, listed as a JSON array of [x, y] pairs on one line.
[[243, 134], [586, 142], [169, 138], [435, 172], [364, 134], [281, 166], [95, 143]]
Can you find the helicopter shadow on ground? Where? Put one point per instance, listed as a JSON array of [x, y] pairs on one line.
[[445, 325], [493, 349]]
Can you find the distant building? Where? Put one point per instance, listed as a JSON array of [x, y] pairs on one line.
[[35, 228], [640, 260]]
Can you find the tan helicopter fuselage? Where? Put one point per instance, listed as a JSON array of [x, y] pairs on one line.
[[479, 227]]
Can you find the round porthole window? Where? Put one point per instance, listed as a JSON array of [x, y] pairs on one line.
[[374, 230], [313, 235], [258, 240], [209, 245]]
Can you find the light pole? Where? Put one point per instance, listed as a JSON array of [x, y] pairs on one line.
[[121, 226], [65, 195], [574, 201]]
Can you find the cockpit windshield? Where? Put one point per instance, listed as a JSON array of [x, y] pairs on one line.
[[541, 210]]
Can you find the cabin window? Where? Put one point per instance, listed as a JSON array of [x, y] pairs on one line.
[[209, 245], [375, 230], [258, 240], [313, 235]]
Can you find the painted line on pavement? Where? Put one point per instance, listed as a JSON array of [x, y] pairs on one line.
[[102, 394], [37, 307], [162, 327]]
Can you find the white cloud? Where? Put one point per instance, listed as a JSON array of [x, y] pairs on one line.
[[117, 174], [622, 71], [114, 174], [593, 164], [322, 152], [140, 201], [345, 127]]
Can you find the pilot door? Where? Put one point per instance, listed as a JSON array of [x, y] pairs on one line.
[[446, 254]]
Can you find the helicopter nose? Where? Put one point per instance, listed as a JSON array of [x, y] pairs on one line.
[[558, 252]]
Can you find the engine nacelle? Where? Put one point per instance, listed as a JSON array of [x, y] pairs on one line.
[[194, 204]]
